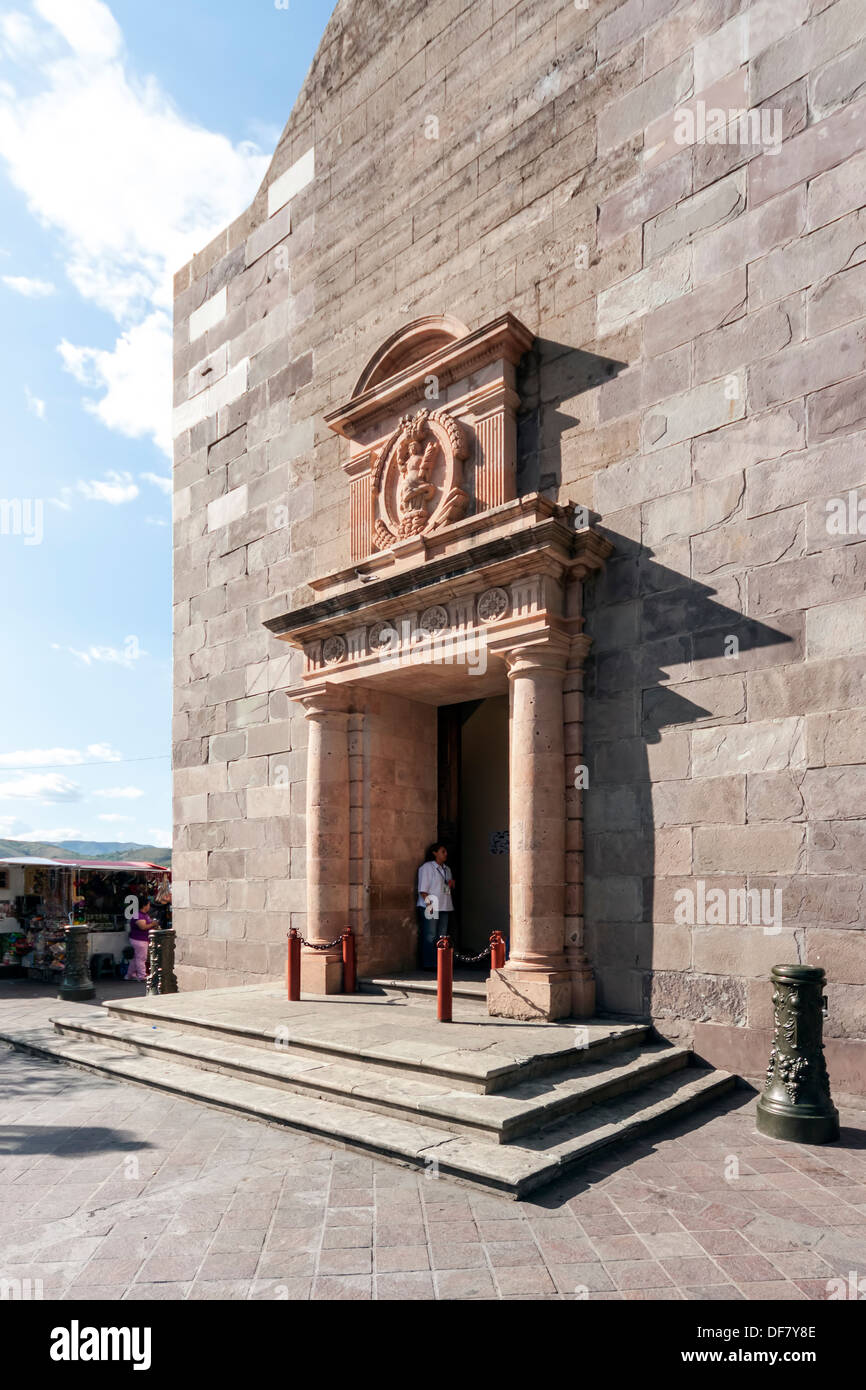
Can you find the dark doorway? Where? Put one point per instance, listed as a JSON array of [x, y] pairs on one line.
[[473, 815]]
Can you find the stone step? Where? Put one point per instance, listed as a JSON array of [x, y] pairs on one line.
[[418, 985], [498, 1117], [391, 1036], [512, 1169]]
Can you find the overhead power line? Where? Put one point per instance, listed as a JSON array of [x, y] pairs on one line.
[[108, 762]]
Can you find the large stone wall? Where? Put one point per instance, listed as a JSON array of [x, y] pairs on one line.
[[697, 385]]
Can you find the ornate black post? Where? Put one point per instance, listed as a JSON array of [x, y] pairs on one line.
[[77, 985], [795, 1103], [160, 963]]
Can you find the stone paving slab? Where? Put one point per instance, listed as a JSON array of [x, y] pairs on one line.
[[706, 1209]]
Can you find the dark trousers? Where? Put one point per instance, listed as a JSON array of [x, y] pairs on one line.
[[429, 929]]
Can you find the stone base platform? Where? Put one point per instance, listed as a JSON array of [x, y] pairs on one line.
[[504, 1105]]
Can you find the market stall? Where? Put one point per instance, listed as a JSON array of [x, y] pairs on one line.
[[40, 898]]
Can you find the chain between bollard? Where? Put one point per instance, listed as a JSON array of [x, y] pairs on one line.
[[345, 941], [471, 960]]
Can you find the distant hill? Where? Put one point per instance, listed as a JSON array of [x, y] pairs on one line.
[[85, 849]]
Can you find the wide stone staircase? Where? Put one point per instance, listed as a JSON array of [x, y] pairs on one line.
[[502, 1105]]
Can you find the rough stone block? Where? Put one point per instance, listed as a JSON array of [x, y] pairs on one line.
[[754, 235], [719, 302], [759, 746], [716, 799], [667, 279], [698, 411], [835, 629], [837, 410], [808, 260], [836, 738], [750, 848], [712, 207], [754, 541], [835, 793]]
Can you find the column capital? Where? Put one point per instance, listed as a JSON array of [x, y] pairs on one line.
[[580, 645], [549, 655], [329, 698]]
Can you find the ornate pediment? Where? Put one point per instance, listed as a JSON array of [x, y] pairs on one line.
[[431, 430]]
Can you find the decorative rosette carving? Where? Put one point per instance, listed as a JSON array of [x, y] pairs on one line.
[[492, 605], [381, 635], [434, 619], [333, 650]]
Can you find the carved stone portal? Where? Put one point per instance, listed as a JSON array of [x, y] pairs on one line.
[[417, 480]]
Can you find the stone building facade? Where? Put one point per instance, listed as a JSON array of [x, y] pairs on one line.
[[547, 320]]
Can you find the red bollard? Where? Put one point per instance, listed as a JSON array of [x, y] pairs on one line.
[[293, 967], [497, 950], [349, 982], [444, 978]]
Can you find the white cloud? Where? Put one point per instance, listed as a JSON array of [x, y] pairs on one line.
[[30, 288], [52, 837], [160, 838], [87, 26], [114, 487], [155, 521], [164, 484], [44, 786], [12, 827], [120, 793], [114, 820], [19, 37], [34, 404], [135, 378], [127, 655], [59, 757], [131, 186]]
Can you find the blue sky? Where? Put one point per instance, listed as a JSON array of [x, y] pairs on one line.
[[129, 135]]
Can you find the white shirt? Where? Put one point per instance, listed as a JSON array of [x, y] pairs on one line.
[[433, 881]]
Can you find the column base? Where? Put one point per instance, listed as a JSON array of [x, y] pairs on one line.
[[528, 994], [321, 972], [583, 993]]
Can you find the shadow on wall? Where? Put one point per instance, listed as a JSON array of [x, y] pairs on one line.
[[549, 375], [647, 621]]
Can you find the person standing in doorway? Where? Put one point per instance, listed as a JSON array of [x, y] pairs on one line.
[[435, 906]]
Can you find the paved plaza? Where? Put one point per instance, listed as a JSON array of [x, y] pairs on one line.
[[115, 1191]]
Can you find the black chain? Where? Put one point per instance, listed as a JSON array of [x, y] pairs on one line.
[[326, 946], [472, 960]]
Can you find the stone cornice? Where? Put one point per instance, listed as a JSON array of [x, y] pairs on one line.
[[504, 338], [548, 546]]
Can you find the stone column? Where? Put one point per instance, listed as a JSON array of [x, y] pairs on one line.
[[327, 837], [576, 773], [536, 981]]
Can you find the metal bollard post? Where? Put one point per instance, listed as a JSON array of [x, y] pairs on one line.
[[77, 985], [444, 978], [497, 950], [795, 1103], [349, 982], [293, 966], [161, 978]]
